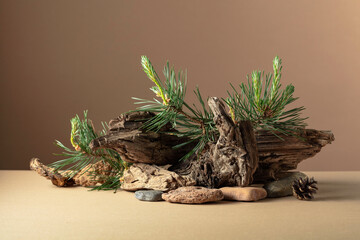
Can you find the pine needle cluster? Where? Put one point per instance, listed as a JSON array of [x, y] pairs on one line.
[[190, 121], [76, 159], [263, 102]]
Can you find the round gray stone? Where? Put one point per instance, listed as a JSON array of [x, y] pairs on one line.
[[283, 186], [149, 195]]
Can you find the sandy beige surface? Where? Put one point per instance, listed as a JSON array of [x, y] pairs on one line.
[[32, 208]]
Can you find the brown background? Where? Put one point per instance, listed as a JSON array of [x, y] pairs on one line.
[[58, 58]]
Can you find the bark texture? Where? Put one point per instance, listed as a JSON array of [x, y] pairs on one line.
[[232, 161], [90, 175], [138, 146], [277, 156], [57, 178]]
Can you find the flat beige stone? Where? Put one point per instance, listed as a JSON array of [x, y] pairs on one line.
[[193, 194], [247, 194]]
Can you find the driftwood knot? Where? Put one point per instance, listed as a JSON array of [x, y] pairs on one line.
[[228, 162]]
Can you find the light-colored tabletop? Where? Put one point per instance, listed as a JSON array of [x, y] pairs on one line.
[[32, 208]]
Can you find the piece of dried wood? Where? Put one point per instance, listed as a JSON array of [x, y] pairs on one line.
[[232, 160], [136, 145], [277, 156], [145, 176], [90, 175]]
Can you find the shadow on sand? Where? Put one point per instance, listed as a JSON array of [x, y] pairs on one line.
[[332, 190]]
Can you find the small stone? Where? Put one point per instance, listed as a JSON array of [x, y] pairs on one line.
[[247, 194], [283, 186], [149, 195], [193, 194]]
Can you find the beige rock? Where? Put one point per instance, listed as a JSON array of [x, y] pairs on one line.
[[247, 194], [193, 194], [145, 176]]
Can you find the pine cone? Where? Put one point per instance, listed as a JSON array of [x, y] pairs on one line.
[[304, 188]]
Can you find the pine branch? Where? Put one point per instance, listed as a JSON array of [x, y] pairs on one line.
[[264, 103], [82, 133], [260, 101], [189, 121]]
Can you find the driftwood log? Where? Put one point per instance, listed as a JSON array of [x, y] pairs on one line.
[[90, 175], [277, 156], [232, 160], [136, 145], [239, 157]]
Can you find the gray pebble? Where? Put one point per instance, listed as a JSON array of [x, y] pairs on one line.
[[149, 195], [283, 186]]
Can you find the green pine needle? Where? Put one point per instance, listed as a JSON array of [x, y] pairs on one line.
[[265, 104], [190, 121], [261, 100], [82, 133]]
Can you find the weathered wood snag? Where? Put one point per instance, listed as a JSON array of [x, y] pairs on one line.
[[136, 145], [90, 175], [277, 156], [56, 178], [232, 160], [239, 157]]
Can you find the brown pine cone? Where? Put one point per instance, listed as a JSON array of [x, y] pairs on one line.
[[304, 188]]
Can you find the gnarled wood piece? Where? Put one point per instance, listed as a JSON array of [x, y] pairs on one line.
[[56, 178], [90, 175], [277, 156], [233, 160], [136, 145]]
